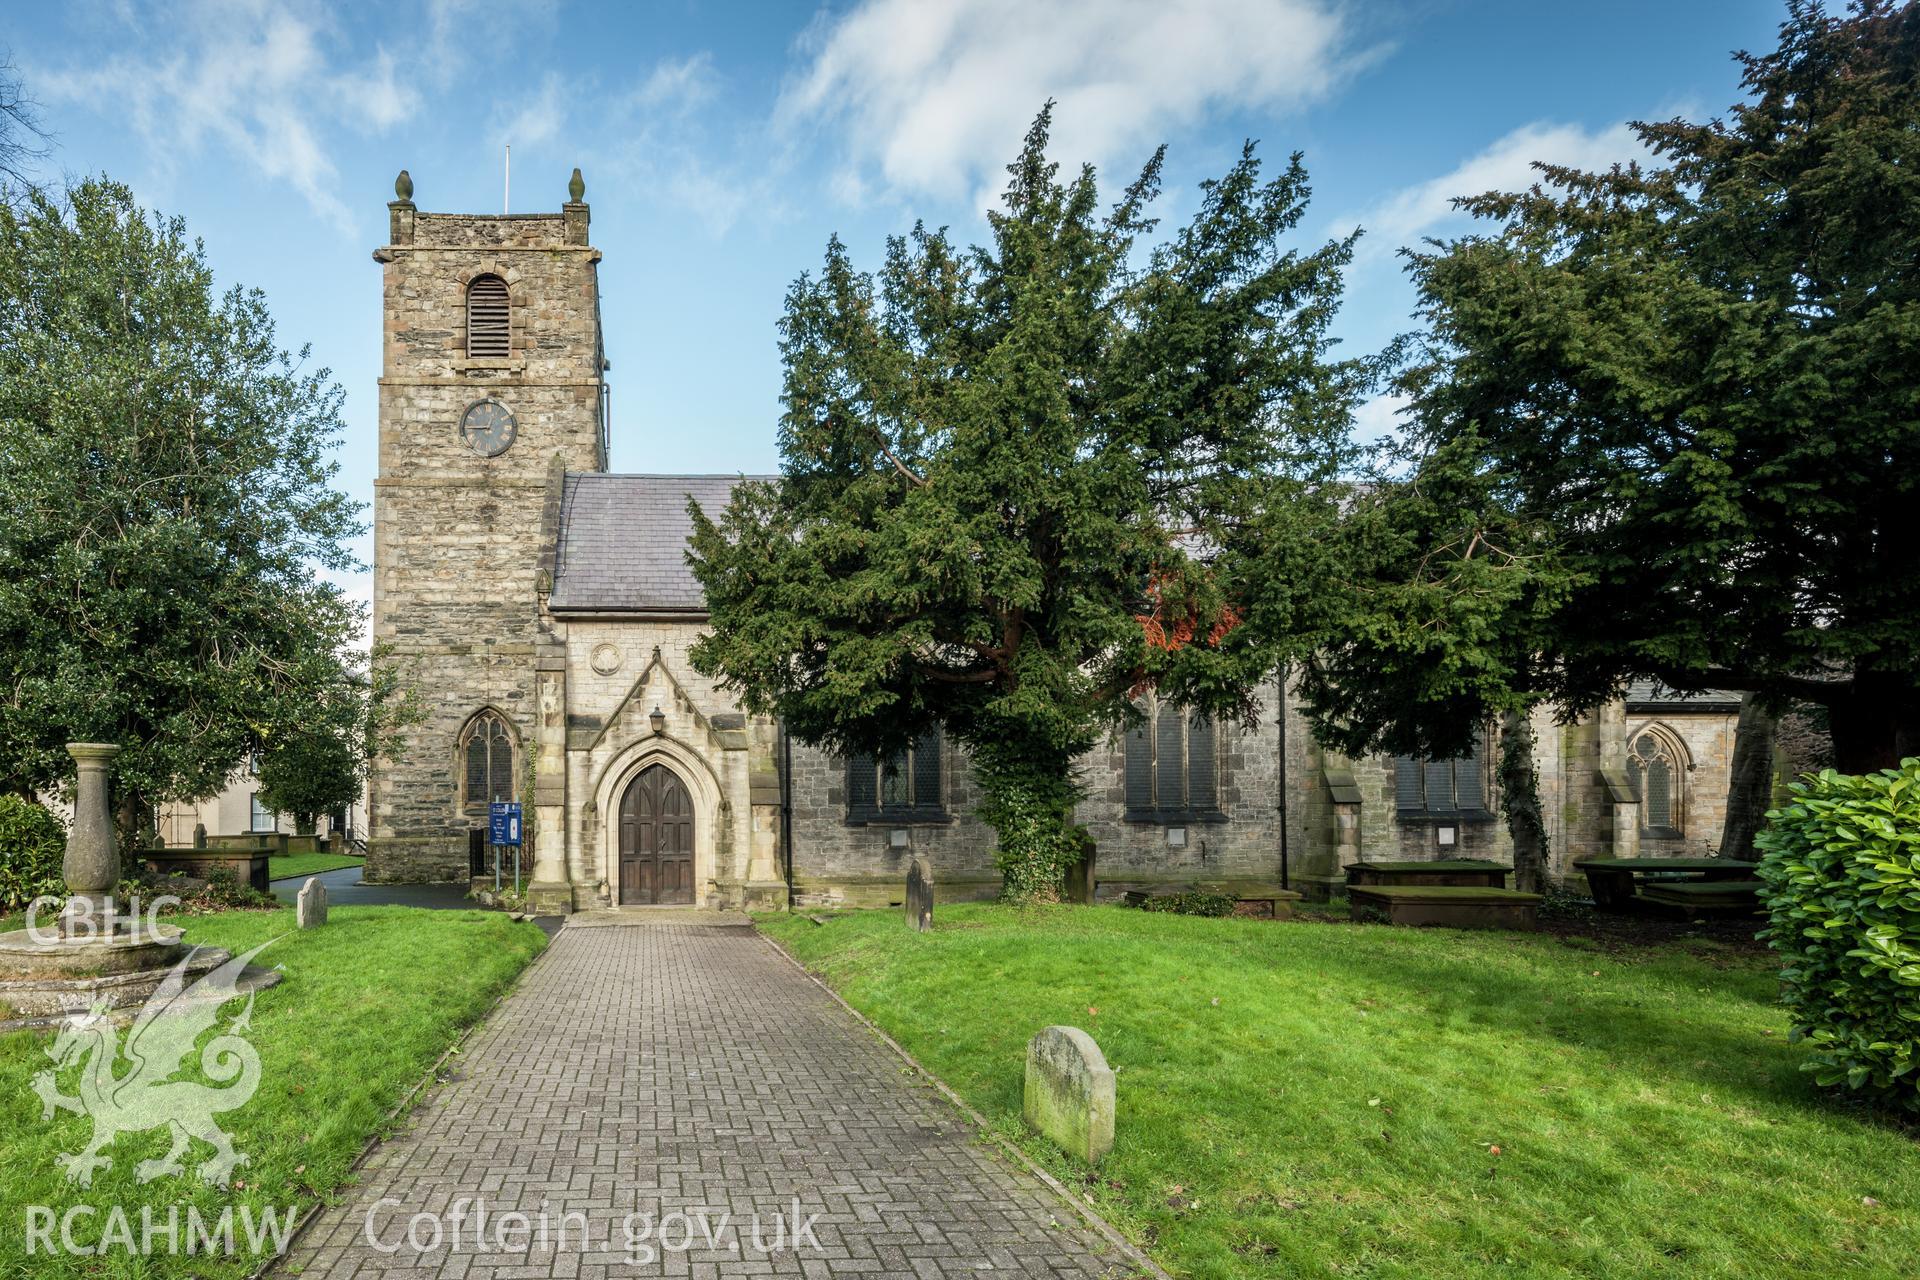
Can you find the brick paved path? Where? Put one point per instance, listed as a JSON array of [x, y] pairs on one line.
[[659, 1068]]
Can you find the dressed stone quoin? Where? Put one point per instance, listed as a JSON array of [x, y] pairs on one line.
[[542, 607]]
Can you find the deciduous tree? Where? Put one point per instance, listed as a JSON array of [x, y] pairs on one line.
[[165, 503], [321, 763], [22, 139]]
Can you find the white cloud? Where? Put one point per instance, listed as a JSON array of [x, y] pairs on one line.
[[539, 120], [459, 32], [376, 96], [1379, 417], [1427, 208], [677, 85], [935, 97], [667, 150], [258, 78]]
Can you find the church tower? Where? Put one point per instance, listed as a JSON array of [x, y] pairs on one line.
[[491, 389]]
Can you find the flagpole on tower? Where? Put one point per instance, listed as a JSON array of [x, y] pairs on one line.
[[506, 185]]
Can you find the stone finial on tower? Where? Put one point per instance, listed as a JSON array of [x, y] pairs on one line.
[[400, 210], [575, 209]]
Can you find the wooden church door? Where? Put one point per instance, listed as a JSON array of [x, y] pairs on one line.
[[656, 840]]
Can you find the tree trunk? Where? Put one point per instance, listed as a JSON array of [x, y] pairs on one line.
[[1027, 797], [1520, 802], [1749, 779], [126, 819], [1876, 724]]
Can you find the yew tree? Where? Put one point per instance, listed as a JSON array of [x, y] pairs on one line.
[[1025, 483], [1704, 375], [1442, 627]]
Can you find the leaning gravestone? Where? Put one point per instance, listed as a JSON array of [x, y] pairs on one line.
[[920, 895], [1069, 1092], [310, 907], [1080, 885]]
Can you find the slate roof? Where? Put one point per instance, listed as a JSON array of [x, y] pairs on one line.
[[623, 542], [1650, 694]]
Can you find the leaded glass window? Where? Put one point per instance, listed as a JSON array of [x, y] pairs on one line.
[[1171, 767], [1654, 762], [1447, 787], [487, 756], [903, 787]]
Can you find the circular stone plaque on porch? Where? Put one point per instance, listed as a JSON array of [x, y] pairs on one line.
[[606, 659]]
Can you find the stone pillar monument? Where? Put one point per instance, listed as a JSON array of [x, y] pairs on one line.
[[98, 958], [92, 863]]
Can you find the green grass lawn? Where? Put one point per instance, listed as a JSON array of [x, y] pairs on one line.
[[309, 864], [1321, 1099], [369, 1001]]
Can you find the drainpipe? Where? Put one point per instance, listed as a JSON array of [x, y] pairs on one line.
[[786, 810], [1285, 876]]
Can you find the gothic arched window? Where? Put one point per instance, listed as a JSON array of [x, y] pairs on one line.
[[486, 756], [489, 334], [1654, 761]]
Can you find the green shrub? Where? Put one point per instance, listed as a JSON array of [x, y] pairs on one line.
[[225, 889], [1192, 902], [1560, 903], [1842, 873], [32, 844]]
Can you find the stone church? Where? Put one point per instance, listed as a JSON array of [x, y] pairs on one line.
[[542, 608]]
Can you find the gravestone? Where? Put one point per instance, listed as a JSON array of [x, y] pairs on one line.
[[919, 895], [310, 906], [1069, 1092], [1080, 885], [199, 835]]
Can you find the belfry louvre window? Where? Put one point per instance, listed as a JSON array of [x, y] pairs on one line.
[[486, 750], [1171, 763], [1446, 788], [899, 788], [489, 331]]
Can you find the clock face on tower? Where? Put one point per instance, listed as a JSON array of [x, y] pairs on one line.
[[488, 427]]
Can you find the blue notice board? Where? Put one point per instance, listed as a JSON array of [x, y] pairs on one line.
[[503, 822]]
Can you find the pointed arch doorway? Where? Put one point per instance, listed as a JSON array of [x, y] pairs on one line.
[[656, 840]]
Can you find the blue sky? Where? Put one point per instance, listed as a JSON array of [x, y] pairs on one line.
[[723, 143]]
